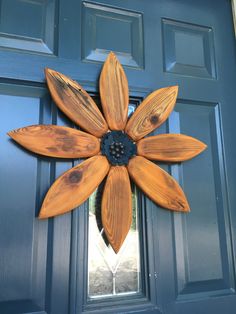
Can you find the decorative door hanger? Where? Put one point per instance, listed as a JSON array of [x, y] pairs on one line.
[[115, 146]]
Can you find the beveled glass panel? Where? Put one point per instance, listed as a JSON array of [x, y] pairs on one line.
[[111, 274]]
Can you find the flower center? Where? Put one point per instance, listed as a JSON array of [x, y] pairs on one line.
[[118, 147]]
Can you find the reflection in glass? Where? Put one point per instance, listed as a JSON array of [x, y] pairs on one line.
[[111, 274]]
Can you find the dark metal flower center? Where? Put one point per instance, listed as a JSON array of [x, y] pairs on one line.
[[118, 147]]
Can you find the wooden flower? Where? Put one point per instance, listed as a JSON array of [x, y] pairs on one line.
[[115, 147]]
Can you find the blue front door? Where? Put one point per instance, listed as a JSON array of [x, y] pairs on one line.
[[187, 261]]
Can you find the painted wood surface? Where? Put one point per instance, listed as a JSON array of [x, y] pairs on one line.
[[73, 187], [170, 147], [117, 206], [114, 93], [76, 103], [56, 141], [157, 184], [152, 112]]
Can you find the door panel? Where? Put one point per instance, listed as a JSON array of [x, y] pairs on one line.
[[28, 25], [23, 255], [203, 258], [188, 49], [187, 260], [97, 38]]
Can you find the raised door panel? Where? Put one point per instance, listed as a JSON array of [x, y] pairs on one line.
[[19, 229], [28, 25], [204, 264], [188, 49], [98, 39], [34, 272]]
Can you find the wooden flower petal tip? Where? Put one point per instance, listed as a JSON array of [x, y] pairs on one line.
[[76, 103], [43, 215], [73, 187], [117, 206], [175, 88], [114, 93], [170, 147], [152, 112], [11, 133], [47, 70], [159, 186], [51, 72]]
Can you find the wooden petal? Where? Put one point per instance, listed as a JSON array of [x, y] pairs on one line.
[[152, 112], [170, 147], [114, 93], [117, 206], [73, 100], [157, 184], [73, 187], [56, 141]]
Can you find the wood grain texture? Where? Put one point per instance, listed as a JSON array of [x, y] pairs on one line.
[[170, 147], [159, 186], [152, 112], [56, 141], [73, 100], [73, 187], [117, 206], [114, 93]]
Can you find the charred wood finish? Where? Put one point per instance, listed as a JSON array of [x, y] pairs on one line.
[[114, 93], [73, 187], [76, 103], [117, 206], [152, 112], [170, 147], [157, 184], [114, 147], [56, 141]]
